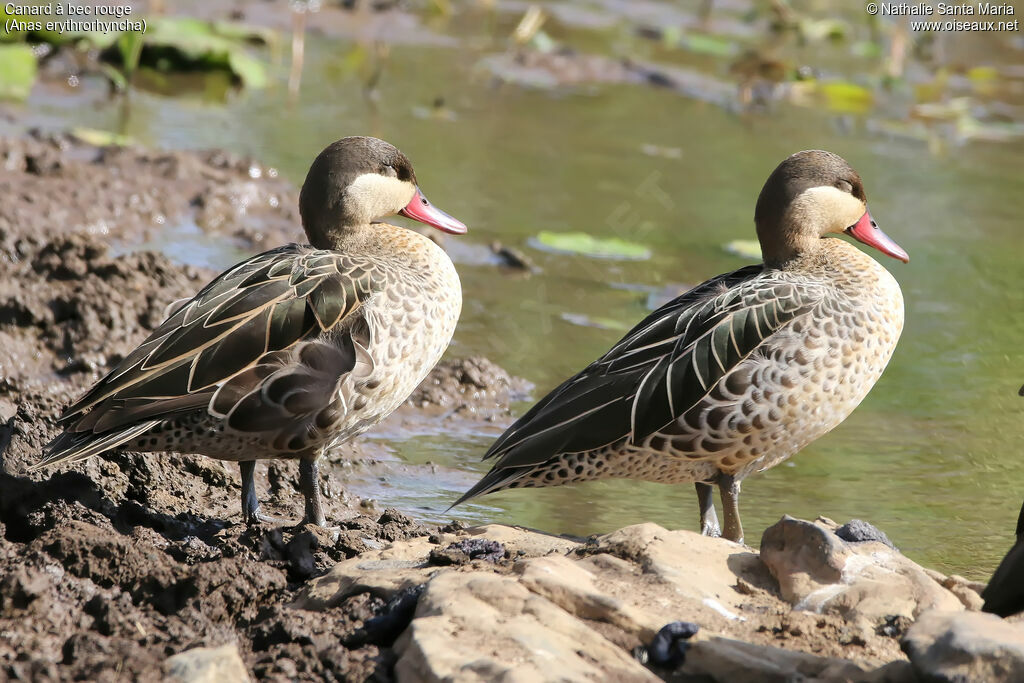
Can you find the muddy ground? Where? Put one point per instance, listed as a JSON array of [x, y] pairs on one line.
[[109, 566]]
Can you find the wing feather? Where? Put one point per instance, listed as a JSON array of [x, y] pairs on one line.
[[280, 329]]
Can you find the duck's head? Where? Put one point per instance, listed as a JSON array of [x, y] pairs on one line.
[[356, 181], [808, 196]]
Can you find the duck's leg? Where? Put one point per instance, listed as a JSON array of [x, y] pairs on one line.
[[729, 487], [706, 503], [250, 501], [309, 484]]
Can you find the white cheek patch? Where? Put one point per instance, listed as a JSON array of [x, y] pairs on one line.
[[827, 208], [372, 196]]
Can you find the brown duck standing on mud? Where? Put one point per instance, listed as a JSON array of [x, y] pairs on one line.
[[296, 349], [737, 374]]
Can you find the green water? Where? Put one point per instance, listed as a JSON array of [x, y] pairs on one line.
[[933, 456]]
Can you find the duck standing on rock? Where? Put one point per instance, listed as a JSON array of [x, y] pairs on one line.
[[296, 349], [737, 374]]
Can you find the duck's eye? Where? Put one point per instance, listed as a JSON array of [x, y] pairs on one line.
[[844, 186], [389, 171]]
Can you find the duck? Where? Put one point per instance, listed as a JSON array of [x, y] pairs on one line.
[[296, 350], [737, 374], [1004, 594]]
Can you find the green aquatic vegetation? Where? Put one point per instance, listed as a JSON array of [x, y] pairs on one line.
[[699, 43], [588, 245], [595, 321], [101, 138], [839, 96], [748, 249], [17, 71], [169, 44], [192, 43]]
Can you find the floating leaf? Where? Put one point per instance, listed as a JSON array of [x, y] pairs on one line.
[[543, 42], [101, 138], [984, 79], [820, 29], [942, 111], [708, 45], [867, 49], [598, 322], [838, 96], [17, 71], [748, 249], [203, 44], [846, 97], [983, 74], [588, 245]]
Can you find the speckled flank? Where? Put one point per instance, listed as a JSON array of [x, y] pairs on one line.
[[799, 385]]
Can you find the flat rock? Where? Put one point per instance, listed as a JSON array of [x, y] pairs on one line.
[[207, 665], [865, 582], [725, 659], [404, 564], [479, 626], [954, 646]]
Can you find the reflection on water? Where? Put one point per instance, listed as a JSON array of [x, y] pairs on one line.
[[933, 456]]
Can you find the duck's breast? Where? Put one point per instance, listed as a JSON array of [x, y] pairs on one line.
[[411, 321]]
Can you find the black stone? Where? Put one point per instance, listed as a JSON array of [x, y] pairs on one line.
[[857, 531]]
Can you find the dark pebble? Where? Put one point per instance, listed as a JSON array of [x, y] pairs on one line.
[[668, 649], [857, 531]]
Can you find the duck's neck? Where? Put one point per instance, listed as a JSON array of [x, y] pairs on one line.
[[342, 237], [786, 242]]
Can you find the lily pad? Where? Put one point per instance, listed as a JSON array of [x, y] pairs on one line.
[[101, 138], [209, 45], [588, 245], [840, 96], [749, 249], [17, 71], [713, 46], [598, 322]]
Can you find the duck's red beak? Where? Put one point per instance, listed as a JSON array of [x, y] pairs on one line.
[[868, 232], [419, 209]]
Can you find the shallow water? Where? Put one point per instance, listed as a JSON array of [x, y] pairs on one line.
[[933, 456]]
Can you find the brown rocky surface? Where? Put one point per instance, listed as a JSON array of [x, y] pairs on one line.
[[956, 646]]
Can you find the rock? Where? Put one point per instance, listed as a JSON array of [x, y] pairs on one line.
[[865, 582], [405, 564], [958, 646], [482, 626], [967, 592], [858, 531], [207, 665], [668, 558], [572, 586], [725, 659], [467, 550], [670, 645]]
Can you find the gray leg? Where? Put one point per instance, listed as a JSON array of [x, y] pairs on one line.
[[250, 501], [708, 518], [729, 488], [309, 484]]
